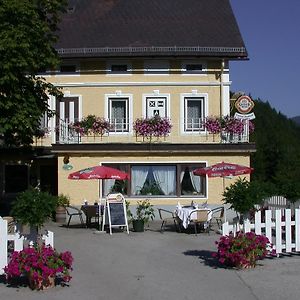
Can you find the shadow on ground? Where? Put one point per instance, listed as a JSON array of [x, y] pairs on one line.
[[206, 257]]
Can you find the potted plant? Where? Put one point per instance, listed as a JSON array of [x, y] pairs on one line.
[[144, 212], [60, 211], [242, 250], [41, 265], [149, 127], [33, 207]]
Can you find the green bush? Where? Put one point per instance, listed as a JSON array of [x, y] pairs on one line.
[[243, 194], [62, 200], [33, 207]]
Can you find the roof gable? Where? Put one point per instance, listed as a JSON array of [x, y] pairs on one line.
[[144, 27]]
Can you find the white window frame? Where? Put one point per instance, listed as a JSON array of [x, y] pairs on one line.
[[156, 67], [183, 98], [120, 96], [109, 65], [184, 71], [167, 162], [156, 95]]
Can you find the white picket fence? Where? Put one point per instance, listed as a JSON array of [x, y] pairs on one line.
[[17, 242], [283, 233]]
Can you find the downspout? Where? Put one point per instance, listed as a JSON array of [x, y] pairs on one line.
[[221, 88]]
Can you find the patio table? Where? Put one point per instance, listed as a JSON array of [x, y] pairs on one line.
[[184, 212]]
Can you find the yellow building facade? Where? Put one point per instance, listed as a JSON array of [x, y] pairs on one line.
[[123, 61]]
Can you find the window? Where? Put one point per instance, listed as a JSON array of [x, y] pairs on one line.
[[156, 67], [153, 180], [194, 114], [158, 180], [68, 69], [156, 106], [118, 68], [190, 185], [194, 68], [118, 114]]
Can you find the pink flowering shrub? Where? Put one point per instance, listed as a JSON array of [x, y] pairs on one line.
[[91, 125], [40, 263], [100, 126], [155, 126], [232, 125], [213, 125], [243, 250], [226, 124]]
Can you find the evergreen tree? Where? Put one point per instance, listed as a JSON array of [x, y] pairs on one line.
[[277, 159]]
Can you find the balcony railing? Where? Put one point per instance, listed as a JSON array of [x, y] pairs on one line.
[[186, 131]]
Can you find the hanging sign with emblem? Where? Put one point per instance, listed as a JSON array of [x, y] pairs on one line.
[[244, 104]]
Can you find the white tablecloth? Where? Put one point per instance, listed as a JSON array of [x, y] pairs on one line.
[[184, 212]]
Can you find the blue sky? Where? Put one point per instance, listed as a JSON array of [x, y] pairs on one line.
[[271, 32]]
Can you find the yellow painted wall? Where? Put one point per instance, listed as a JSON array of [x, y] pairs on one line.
[[89, 189], [93, 97]]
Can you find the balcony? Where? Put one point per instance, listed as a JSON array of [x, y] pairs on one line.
[[122, 131]]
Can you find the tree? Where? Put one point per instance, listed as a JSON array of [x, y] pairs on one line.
[[27, 36], [243, 194]]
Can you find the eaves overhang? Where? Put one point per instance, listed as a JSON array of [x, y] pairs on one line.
[[154, 149], [174, 51]]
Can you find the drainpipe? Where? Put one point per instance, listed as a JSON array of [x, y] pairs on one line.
[[221, 88]]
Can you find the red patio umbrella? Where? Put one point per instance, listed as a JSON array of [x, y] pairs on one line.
[[99, 172], [223, 169]]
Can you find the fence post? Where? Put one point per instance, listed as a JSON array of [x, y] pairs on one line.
[[225, 228], [3, 244], [257, 224], [288, 231], [247, 225], [48, 238], [278, 230], [297, 229]]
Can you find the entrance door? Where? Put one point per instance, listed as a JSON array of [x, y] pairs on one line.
[[156, 106]]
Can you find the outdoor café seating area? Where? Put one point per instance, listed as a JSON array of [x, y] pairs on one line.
[[194, 218]]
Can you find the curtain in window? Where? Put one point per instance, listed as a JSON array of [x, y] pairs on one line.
[[193, 113], [165, 177], [138, 178], [196, 182], [118, 111], [108, 184]]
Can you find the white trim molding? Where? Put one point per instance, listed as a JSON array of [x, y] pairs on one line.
[[156, 94], [120, 95], [140, 83], [182, 104]]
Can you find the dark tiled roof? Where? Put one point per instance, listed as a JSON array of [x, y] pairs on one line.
[[150, 27]]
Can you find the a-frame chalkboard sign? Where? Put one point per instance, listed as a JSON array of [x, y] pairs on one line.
[[116, 210]]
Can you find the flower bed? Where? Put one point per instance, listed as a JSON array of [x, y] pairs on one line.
[[41, 265], [243, 250]]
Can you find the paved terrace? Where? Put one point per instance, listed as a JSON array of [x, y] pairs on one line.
[[152, 265]]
